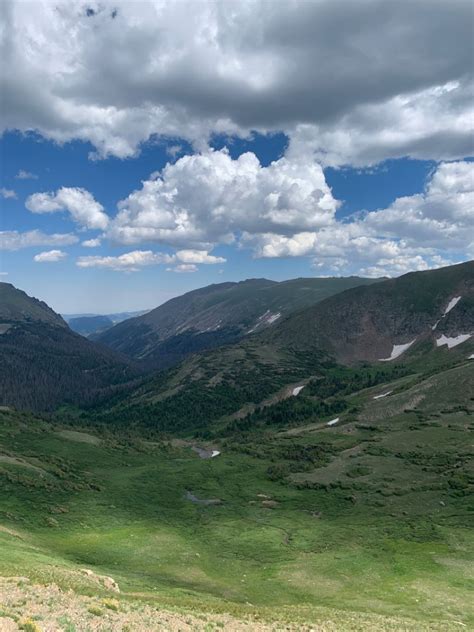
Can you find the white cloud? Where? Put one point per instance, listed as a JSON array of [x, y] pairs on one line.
[[210, 198], [417, 232], [14, 240], [81, 205], [356, 82], [183, 268], [133, 261], [197, 256], [7, 194], [128, 262], [50, 256], [92, 243], [26, 175]]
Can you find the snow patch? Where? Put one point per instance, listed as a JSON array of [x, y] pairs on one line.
[[297, 390], [214, 453], [382, 395], [471, 357], [265, 319], [397, 351], [332, 422], [452, 342], [452, 303]]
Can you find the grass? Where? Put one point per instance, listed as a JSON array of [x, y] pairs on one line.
[[367, 518]]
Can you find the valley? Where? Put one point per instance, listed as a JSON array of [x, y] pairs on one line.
[[270, 483]]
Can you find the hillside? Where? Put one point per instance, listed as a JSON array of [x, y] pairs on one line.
[[360, 325], [45, 364], [216, 315], [366, 323], [16, 306], [296, 522]]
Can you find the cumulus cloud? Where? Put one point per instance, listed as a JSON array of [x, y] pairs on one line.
[[210, 198], [417, 232], [7, 194], [80, 204], [363, 80], [25, 175], [133, 261], [197, 256], [92, 243], [50, 256], [15, 240]]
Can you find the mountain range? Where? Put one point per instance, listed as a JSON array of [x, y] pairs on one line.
[[265, 335], [217, 314]]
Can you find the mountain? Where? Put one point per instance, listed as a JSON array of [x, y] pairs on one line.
[[16, 306], [45, 364], [420, 321], [374, 323], [216, 315], [86, 325]]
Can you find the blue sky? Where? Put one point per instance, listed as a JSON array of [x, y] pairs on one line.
[[188, 176]]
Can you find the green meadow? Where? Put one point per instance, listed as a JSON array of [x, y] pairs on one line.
[[371, 515]]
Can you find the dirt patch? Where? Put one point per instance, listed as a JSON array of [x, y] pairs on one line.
[[11, 532], [80, 437], [12, 460]]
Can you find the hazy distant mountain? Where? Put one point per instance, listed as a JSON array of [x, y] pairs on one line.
[[44, 363], [216, 315], [87, 324]]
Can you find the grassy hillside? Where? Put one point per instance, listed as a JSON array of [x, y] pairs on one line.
[[217, 315], [300, 521]]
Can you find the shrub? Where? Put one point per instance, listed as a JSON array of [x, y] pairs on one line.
[[28, 625], [111, 604]]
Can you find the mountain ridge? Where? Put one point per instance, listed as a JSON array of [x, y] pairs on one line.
[[217, 314]]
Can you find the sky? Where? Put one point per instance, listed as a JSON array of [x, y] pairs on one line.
[[150, 148]]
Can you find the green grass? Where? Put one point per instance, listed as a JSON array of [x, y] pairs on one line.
[[372, 515]]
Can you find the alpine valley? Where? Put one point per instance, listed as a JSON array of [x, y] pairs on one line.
[[248, 456]]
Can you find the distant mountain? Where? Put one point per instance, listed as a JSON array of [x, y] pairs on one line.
[[217, 315], [414, 322], [45, 364], [86, 325]]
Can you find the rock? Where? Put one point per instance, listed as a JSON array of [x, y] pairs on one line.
[[110, 584], [270, 504]]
